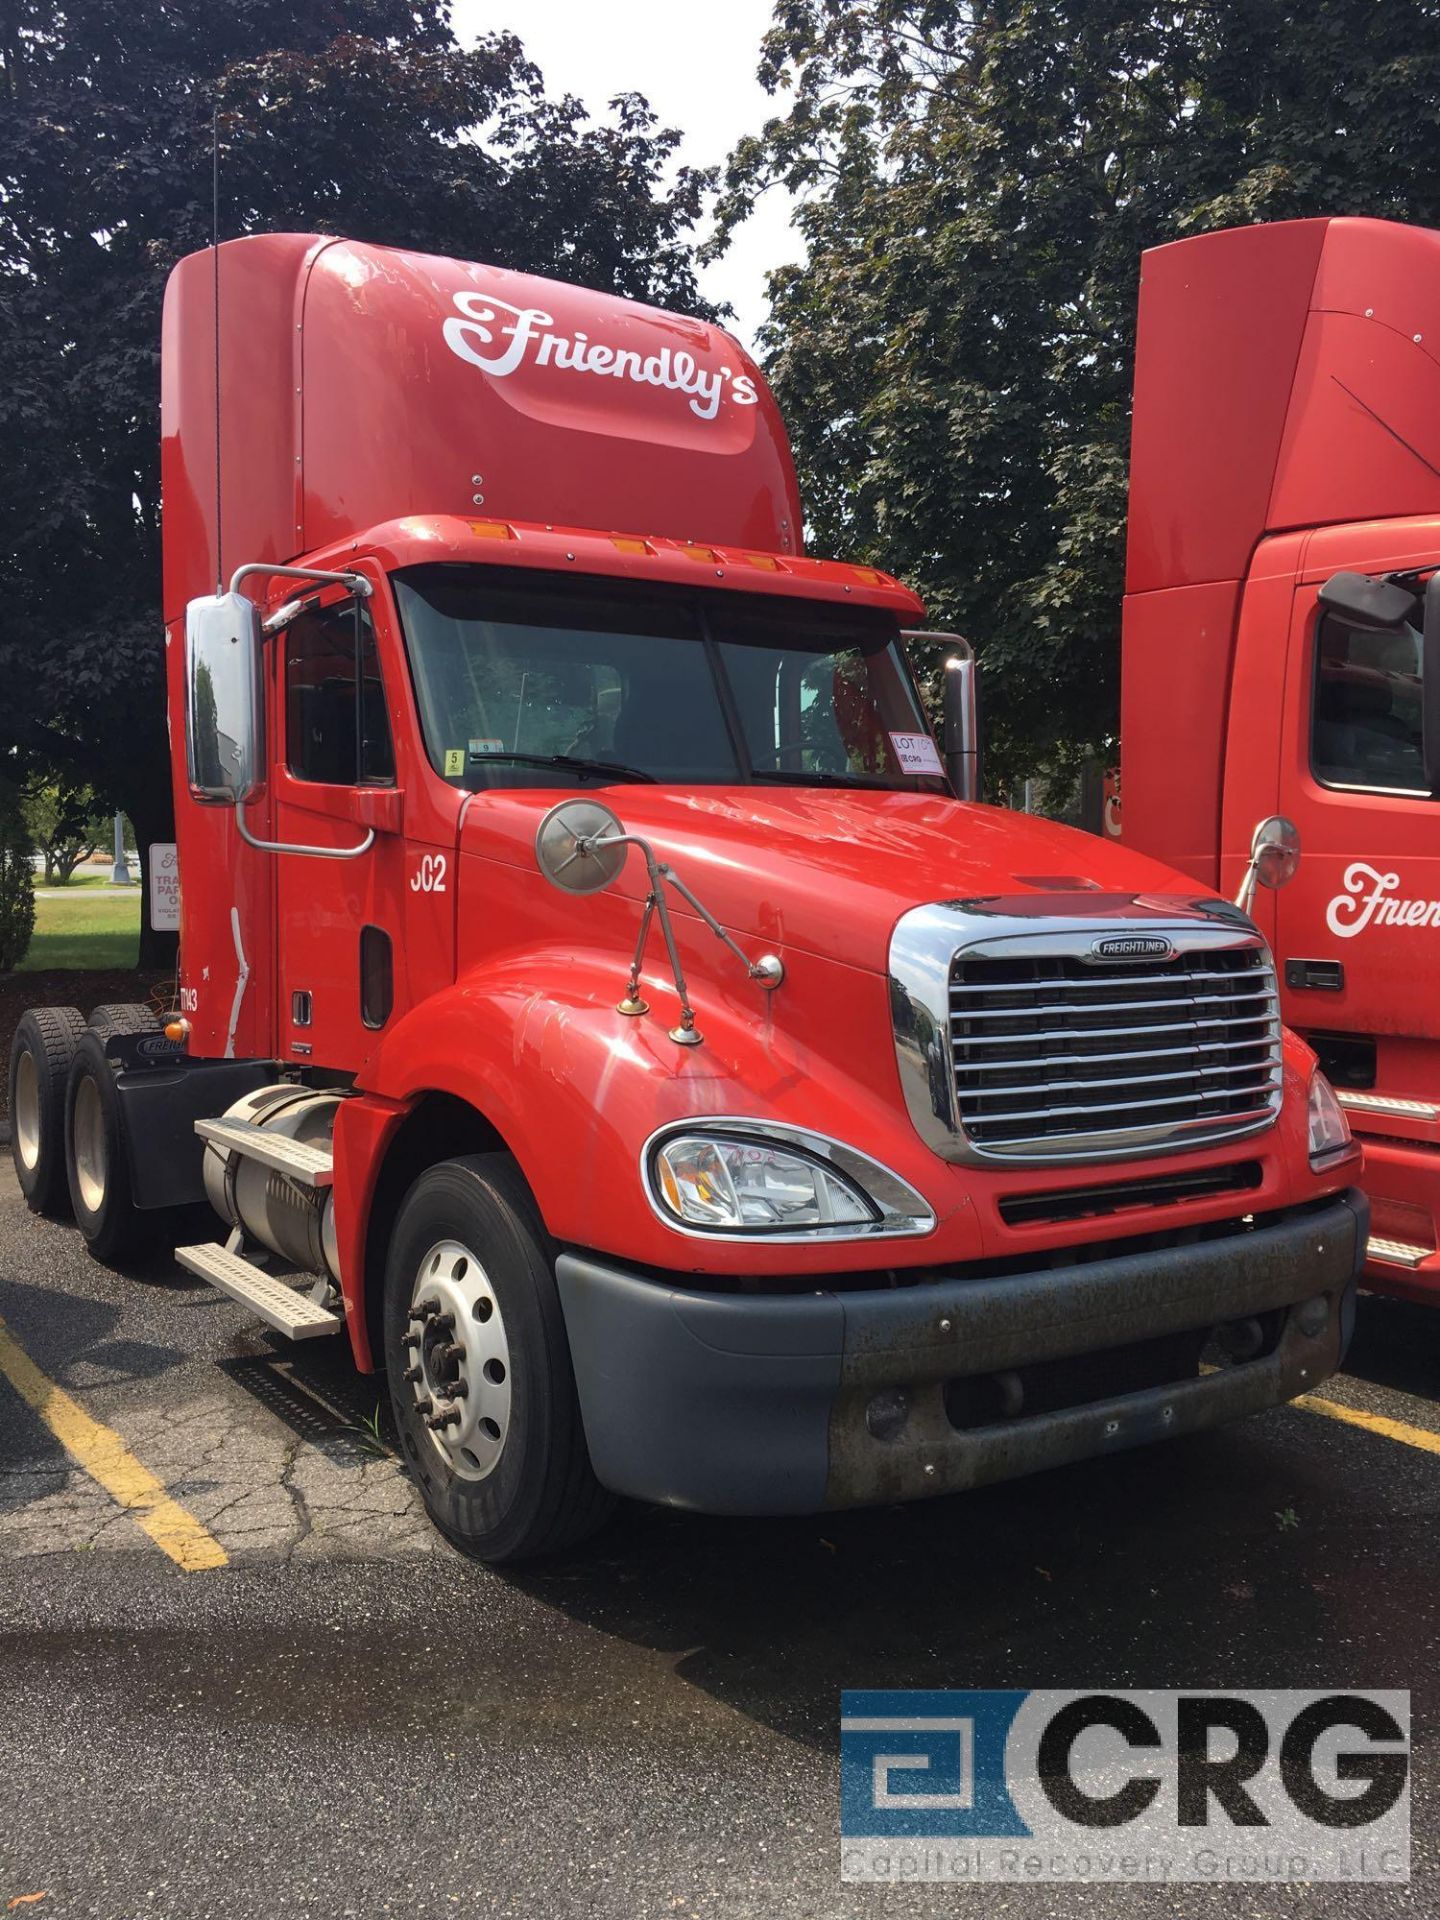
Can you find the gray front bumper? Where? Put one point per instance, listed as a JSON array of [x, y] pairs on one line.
[[756, 1403]]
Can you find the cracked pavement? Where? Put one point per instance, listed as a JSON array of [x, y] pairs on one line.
[[143, 1353], [351, 1719]]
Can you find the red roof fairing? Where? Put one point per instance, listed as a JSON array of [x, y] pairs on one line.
[[363, 384]]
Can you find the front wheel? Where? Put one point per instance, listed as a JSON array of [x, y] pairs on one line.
[[479, 1366]]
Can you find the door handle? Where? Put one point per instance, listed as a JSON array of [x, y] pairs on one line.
[[287, 846]]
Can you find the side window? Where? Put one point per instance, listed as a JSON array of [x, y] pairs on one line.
[[334, 732], [1366, 725]]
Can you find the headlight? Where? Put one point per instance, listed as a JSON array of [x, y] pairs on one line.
[[1329, 1129], [749, 1186]]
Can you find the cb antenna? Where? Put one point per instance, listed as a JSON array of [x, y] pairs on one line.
[[215, 260]]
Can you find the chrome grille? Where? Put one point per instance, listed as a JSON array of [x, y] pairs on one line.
[[1056, 1055]]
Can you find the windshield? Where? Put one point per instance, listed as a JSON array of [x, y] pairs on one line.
[[524, 683]]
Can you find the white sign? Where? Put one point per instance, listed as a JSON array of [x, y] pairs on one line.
[[524, 332], [162, 871], [1370, 897], [916, 753]]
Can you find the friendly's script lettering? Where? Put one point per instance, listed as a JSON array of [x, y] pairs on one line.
[[499, 338], [1372, 898]]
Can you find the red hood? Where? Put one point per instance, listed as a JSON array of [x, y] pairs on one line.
[[831, 871]]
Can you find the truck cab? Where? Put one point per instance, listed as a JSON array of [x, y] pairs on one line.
[[1285, 526], [604, 1003]]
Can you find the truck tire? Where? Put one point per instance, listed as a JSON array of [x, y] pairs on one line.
[[96, 1165], [508, 1477], [124, 1017], [40, 1057]]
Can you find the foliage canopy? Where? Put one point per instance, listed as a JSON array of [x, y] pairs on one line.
[[978, 180], [346, 116]]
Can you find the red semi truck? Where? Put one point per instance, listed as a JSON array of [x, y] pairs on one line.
[[600, 998], [1282, 647]]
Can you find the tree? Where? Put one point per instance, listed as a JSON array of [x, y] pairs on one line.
[[978, 181], [17, 881], [355, 116], [65, 825]]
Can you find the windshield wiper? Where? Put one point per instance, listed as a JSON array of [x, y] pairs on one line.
[[816, 779], [574, 763]]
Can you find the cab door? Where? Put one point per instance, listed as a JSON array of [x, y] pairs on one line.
[[337, 918], [1359, 926], [1360, 922]]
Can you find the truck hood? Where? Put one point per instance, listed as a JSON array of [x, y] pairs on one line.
[[830, 871]]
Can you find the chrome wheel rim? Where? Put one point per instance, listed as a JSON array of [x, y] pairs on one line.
[[87, 1130], [27, 1111], [458, 1360]]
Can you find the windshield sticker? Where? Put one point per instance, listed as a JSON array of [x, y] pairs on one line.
[[498, 338], [479, 748], [454, 761], [1368, 900], [916, 753]]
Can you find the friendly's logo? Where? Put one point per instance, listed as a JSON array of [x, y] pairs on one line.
[[500, 338], [1155, 1786], [1370, 899]]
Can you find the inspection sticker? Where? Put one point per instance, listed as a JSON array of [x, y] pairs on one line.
[[916, 753], [479, 748], [454, 761]]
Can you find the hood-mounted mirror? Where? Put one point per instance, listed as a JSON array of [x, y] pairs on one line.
[[1274, 856], [581, 847]]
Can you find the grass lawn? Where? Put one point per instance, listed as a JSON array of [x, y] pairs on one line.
[[87, 929], [85, 876]]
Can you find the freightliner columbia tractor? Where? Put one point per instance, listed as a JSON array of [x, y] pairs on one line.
[[601, 999], [1282, 648]]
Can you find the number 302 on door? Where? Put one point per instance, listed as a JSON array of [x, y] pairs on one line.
[[429, 876]]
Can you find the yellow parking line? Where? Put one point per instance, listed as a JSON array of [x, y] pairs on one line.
[[106, 1458], [1400, 1430]]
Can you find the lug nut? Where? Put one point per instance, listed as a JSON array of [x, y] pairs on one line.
[[443, 1322], [412, 1374], [447, 1417], [426, 1310], [424, 1404], [459, 1389], [453, 1352]]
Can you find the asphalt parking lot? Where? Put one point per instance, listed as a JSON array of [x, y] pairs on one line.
[[288, 1697]]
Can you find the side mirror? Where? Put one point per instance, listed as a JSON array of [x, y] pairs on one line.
[[1367, 602], [960, 710], [224, 703]]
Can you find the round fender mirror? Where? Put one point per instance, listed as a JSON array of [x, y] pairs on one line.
[[580, 846], [1275, 850]]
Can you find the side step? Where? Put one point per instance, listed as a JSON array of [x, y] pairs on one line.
[[281, 1307], [1397, 1253], [311, 1166]]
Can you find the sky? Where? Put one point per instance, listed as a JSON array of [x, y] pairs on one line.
[[698, 78]]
